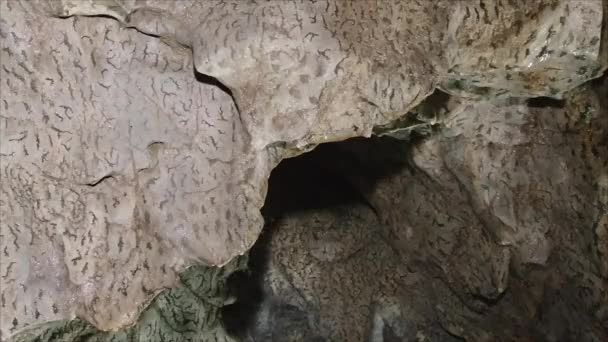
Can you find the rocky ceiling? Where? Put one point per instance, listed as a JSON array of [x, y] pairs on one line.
[[137, 139]]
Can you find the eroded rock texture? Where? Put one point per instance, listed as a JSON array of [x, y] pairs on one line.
[[123, 161], [491, 228], [119, 169], [189, 312]]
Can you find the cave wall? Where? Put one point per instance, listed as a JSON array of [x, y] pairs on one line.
[[481, 229], [138, 137]]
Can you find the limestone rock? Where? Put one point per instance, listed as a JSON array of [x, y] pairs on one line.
[[481, 234], [191, 311], [119, 169], [123, 162]]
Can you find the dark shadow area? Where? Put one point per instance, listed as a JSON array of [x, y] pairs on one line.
[[433, 104], [313, 180], [333, 174], [210, 80], [541, 102], [248, 288], [330, 176]]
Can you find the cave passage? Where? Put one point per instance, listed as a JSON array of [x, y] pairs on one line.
[[381, 239], [332, 175]]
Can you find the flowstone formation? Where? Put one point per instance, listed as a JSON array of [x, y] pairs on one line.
[[137, 138], [482, 230]]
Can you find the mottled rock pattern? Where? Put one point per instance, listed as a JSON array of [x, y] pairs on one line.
[[189, 312], [120, 169], [521, 181], [335, 268], [327, 70], [521, 48], [493, 228]]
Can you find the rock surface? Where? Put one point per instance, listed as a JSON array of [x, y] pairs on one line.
[[480, 231], [189, 312], [119, 169], [123, 162]]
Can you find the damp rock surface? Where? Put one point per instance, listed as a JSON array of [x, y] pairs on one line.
[[473, 232], [137, 137], [119, 169]]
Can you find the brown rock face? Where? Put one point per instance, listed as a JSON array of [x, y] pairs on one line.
[[137, 138], [477, 231]]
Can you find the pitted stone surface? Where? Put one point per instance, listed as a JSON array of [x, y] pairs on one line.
[[327, 70], [493, 227], [119, 169]]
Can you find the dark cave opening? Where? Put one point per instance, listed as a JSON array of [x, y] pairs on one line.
[[447, 231], [320, 179]]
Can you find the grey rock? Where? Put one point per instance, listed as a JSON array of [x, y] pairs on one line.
[[124, 162]]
